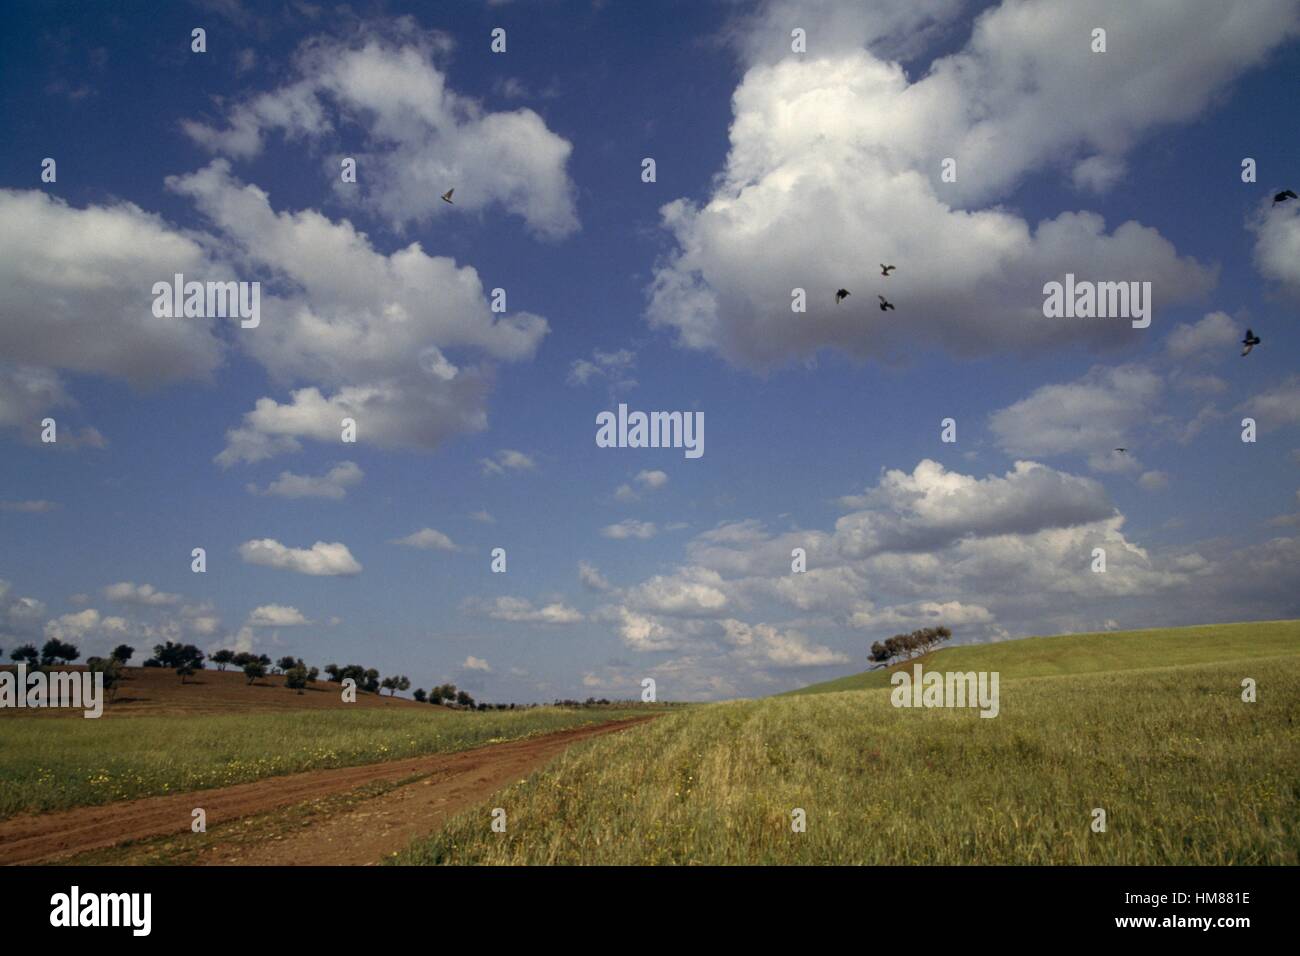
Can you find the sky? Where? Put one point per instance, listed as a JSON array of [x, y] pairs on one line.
[[984, 150]]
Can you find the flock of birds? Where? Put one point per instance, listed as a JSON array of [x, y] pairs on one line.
[[1248, 343], [885, 304]]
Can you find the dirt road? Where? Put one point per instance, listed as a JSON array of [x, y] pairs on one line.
[[365, 834]]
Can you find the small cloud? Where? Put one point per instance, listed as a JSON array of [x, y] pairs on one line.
[[630, 528], [483, 516], [334, 484], [614, 368], [144, 595], [276, 615], [427, 539], [473, 663], [507, 459], [321, 559], [591, 577], [522, 611]]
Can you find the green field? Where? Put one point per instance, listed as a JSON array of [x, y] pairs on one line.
[[1102, 651], [1149, 726], [56, 764]]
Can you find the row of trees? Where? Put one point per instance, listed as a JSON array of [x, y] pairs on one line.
[[185, 659], [905, 646], [59, 652]]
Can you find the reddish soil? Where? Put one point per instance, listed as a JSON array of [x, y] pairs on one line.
[[364, 834]]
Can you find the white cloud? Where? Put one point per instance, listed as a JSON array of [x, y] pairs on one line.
[[932, 507], [367, 330], [592, 579], [73, 627], [1092, 416], [1216, 333], [420, 138], [322, 558], [507, 459], [473, 663], [144, 595], [1277, 406], [1277, 244], [520, 610], [841, 146], [334, 484], [76, 292], [29, 394], [276, 615], [427, 539], [630, 528], [613, 368]]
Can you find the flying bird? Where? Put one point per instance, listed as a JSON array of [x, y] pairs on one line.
[[446, 197], [885, 304], [1121, 450], [886, 270], [1250, 341], [1284, 195], [841, 295]]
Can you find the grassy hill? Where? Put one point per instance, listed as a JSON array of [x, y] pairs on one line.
[[1149, 726], [1091, 653]]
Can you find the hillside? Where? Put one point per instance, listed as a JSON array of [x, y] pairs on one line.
[[1149, 727], [158, 692], [1092, 653]]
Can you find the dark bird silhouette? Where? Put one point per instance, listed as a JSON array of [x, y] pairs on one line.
[[446, 197], [1284, 195], [885, 304], [841, 295], [886, 270], [1249, 342], [1121, 450]]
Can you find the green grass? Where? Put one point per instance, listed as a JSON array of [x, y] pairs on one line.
[[56, 764], [1186, 771], [1091, 653]]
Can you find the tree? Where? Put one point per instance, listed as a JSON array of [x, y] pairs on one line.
[[178, 655], [295, 676], [463, 699], [420, 695], [333, 671], [394, 684], [55, 651], [26, 652], [253, 670], [372, 680], [111, 669], [222, 658], [123, 653], [185, 670]]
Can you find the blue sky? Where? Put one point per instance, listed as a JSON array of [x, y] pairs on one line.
[[774, 170]]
